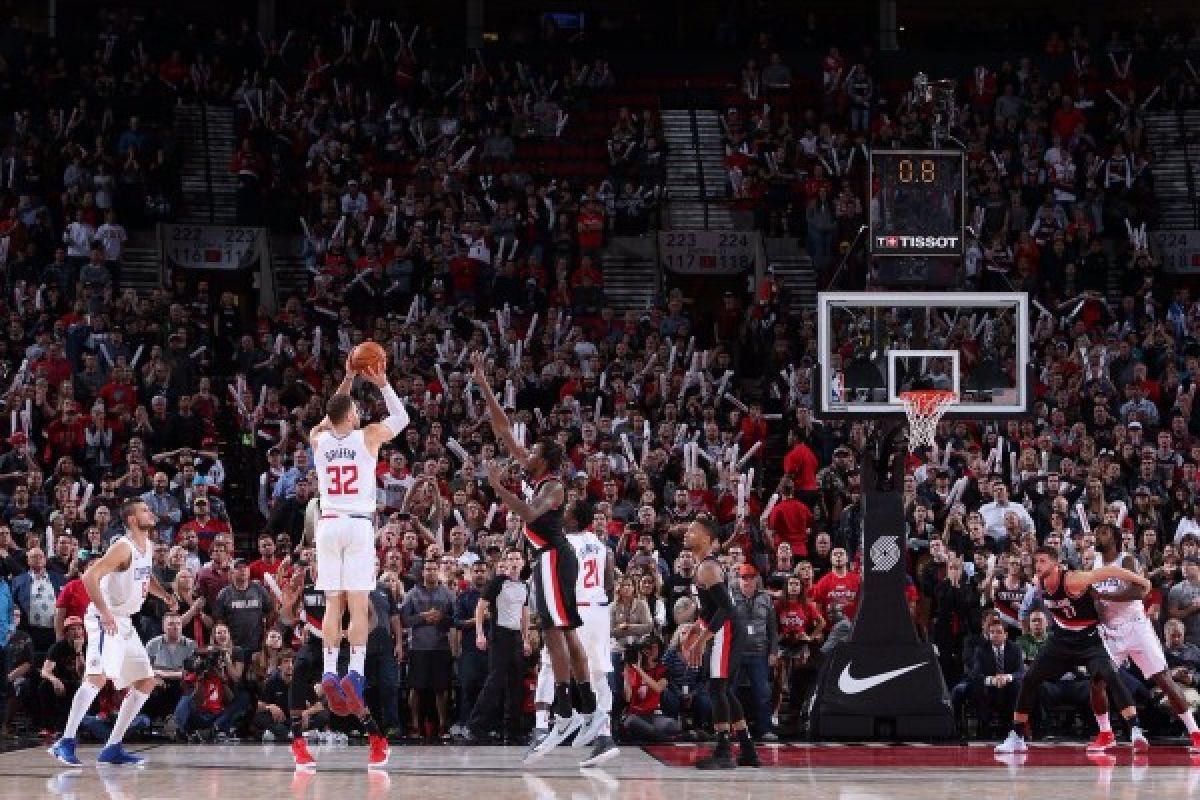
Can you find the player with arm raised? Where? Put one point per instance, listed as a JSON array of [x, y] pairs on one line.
[[345, 456], [1068, 597], [716, 632], [1129, 635], [554, 565], [117, 585]]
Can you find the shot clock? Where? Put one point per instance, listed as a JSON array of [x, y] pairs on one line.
[[917, 202]]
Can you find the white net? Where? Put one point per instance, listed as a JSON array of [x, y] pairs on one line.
[[925, 410]]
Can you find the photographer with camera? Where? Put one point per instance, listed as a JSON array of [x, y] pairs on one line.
[[210, 708], [645, 681]]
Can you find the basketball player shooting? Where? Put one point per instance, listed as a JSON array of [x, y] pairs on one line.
[[345, 456], [555, 567], [1130, 636], [117, 585], [1069, 598]]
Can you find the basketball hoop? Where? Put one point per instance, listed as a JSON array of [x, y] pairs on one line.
[[924, 409]]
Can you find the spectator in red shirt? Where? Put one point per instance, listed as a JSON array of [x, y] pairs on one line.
[[753, 429], [464, 277], [53, 365], [588, 270], [204, 524], [1066, 118], [73, 599], [267, 562], [214, 576], [800, 629], [590, 228], [64, 436], [800, 464], [789, 521], [120, 392], [839, 587]]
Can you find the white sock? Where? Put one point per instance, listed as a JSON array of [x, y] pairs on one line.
[[84, 695], [1189, 721], [1104, 722], [358, 659], [542, 718], [130, 707], [331, 654]]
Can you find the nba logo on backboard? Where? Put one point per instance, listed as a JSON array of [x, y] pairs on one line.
[[837, 388]]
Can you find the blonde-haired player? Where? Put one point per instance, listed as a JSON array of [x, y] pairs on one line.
[[117, 585]]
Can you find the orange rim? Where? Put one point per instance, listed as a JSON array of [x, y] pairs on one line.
[[927, 401]]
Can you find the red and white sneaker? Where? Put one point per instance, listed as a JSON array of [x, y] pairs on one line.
[[304, 759], [1194, 747], [379, 751], [1103, 741], [1138, 741]]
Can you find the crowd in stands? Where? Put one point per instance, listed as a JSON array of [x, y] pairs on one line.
[[1054, 143], [424, 236]]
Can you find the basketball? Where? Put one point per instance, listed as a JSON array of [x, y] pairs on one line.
[[368, 355]]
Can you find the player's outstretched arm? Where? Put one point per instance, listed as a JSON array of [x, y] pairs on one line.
[[500, 424], [397, 418], [1079, 581]]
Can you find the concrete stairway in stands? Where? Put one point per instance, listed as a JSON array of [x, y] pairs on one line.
[[140, 267], [631, 276], [1170, 166], [207, 140], [795, 271], [695, 170], [287, 265]]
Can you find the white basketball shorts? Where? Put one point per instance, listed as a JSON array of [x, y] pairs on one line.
[[1137, 642], [595, 635], [345, 553], [120, 657]]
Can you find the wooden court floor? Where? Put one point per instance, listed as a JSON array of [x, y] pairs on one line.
[[433, 773]]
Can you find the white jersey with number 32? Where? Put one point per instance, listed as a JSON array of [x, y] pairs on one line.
[[345, 473], [593, 558]]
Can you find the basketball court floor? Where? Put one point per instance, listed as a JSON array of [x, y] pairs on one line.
[[849, 772]]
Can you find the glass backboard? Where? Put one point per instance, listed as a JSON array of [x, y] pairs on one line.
[[875, 345]]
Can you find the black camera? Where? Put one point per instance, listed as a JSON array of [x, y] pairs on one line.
[[205, 663]]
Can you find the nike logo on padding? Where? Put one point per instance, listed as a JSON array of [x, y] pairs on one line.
[[848, 684]]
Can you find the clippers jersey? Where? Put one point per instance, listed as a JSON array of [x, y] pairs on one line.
[[1075, 618], [345, 473], [547, 530], [1117, 614], [593, 558], [125, 591]]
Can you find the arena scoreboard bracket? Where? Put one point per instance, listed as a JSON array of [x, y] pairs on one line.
[[918, 202]]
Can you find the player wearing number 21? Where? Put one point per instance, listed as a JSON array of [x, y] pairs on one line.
[[117, 585], [345, 456]]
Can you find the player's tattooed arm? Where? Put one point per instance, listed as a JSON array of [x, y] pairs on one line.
[[548, 498]]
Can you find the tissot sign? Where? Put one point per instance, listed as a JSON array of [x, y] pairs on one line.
[[931, 244]]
